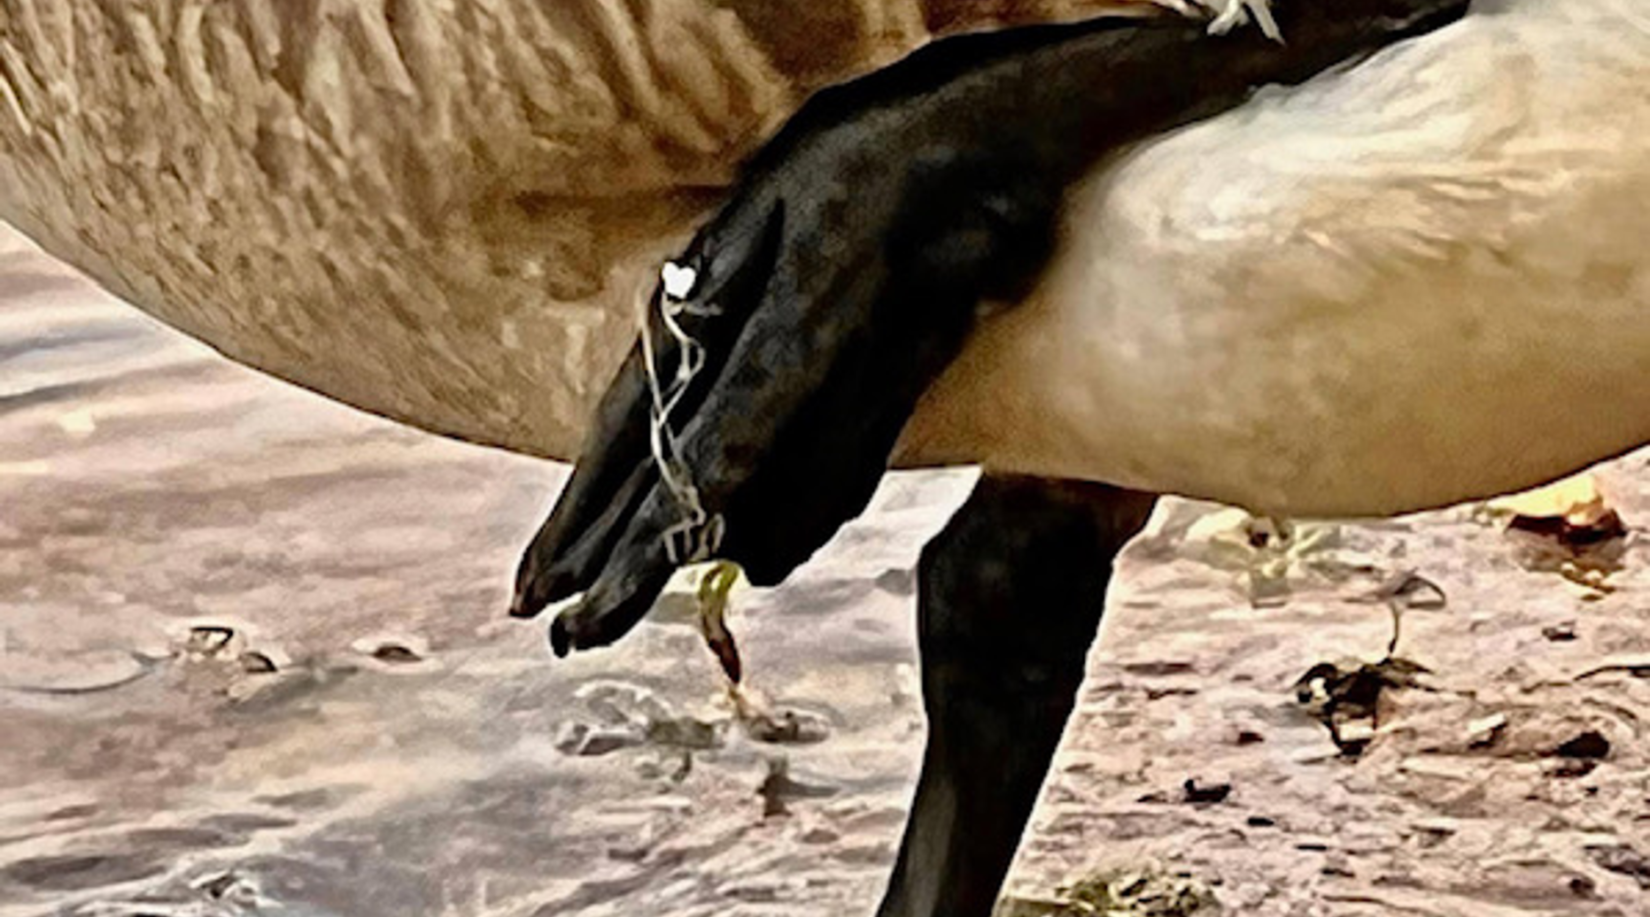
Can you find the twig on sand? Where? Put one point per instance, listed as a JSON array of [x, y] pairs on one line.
[[1636, 669], [146, 667]]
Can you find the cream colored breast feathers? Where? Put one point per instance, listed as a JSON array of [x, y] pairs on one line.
[[1418, 281]]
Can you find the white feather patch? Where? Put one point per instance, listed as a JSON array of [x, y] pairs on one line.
[[1226, 15]]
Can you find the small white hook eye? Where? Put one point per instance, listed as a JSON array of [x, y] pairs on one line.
[[679, 280]]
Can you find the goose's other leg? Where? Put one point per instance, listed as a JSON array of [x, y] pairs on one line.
[[1010, 596]]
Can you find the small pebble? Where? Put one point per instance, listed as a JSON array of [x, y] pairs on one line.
[[395, 653], [1590, 745], [779, 787], [790, 727], [1354, 737], [684, 732], [1484, 732], [1442, 827], [208, 639], [629, 854], [1208, 794], [1314, 755], [1159, 668], [820, 834], [602, 741], [897, 582], [219, 886], [582, 741], [1560, 633]]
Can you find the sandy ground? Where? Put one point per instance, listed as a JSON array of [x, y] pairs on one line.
[[1484, 792], [253, 660]]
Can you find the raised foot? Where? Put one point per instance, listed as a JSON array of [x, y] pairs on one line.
[[786, 348]]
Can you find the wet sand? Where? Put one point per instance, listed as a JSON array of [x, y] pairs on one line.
[[253, 659]]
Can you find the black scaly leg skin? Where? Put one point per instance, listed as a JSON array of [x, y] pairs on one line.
[[1010, 595], [848, 269]]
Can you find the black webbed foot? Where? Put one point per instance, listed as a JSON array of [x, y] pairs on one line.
[[848, 270], [618, 467], [792, 428]]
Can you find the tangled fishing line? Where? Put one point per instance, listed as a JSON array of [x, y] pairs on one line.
[[698, 534]]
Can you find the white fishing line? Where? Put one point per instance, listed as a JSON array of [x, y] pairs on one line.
[[698, 534]]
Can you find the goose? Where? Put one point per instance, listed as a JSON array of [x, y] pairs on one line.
[[1376, 288]]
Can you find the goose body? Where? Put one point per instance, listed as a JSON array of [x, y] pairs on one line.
[[1420, 281], [1410, 282], [1324, 302]]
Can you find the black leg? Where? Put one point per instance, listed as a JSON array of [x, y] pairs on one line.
[[1010, 597]]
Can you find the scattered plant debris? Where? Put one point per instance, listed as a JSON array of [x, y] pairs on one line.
[[1133, 893], [1567, 528], [782, 727], [1141, 894], [1346, 696], [1622, 859], [714, 587]]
